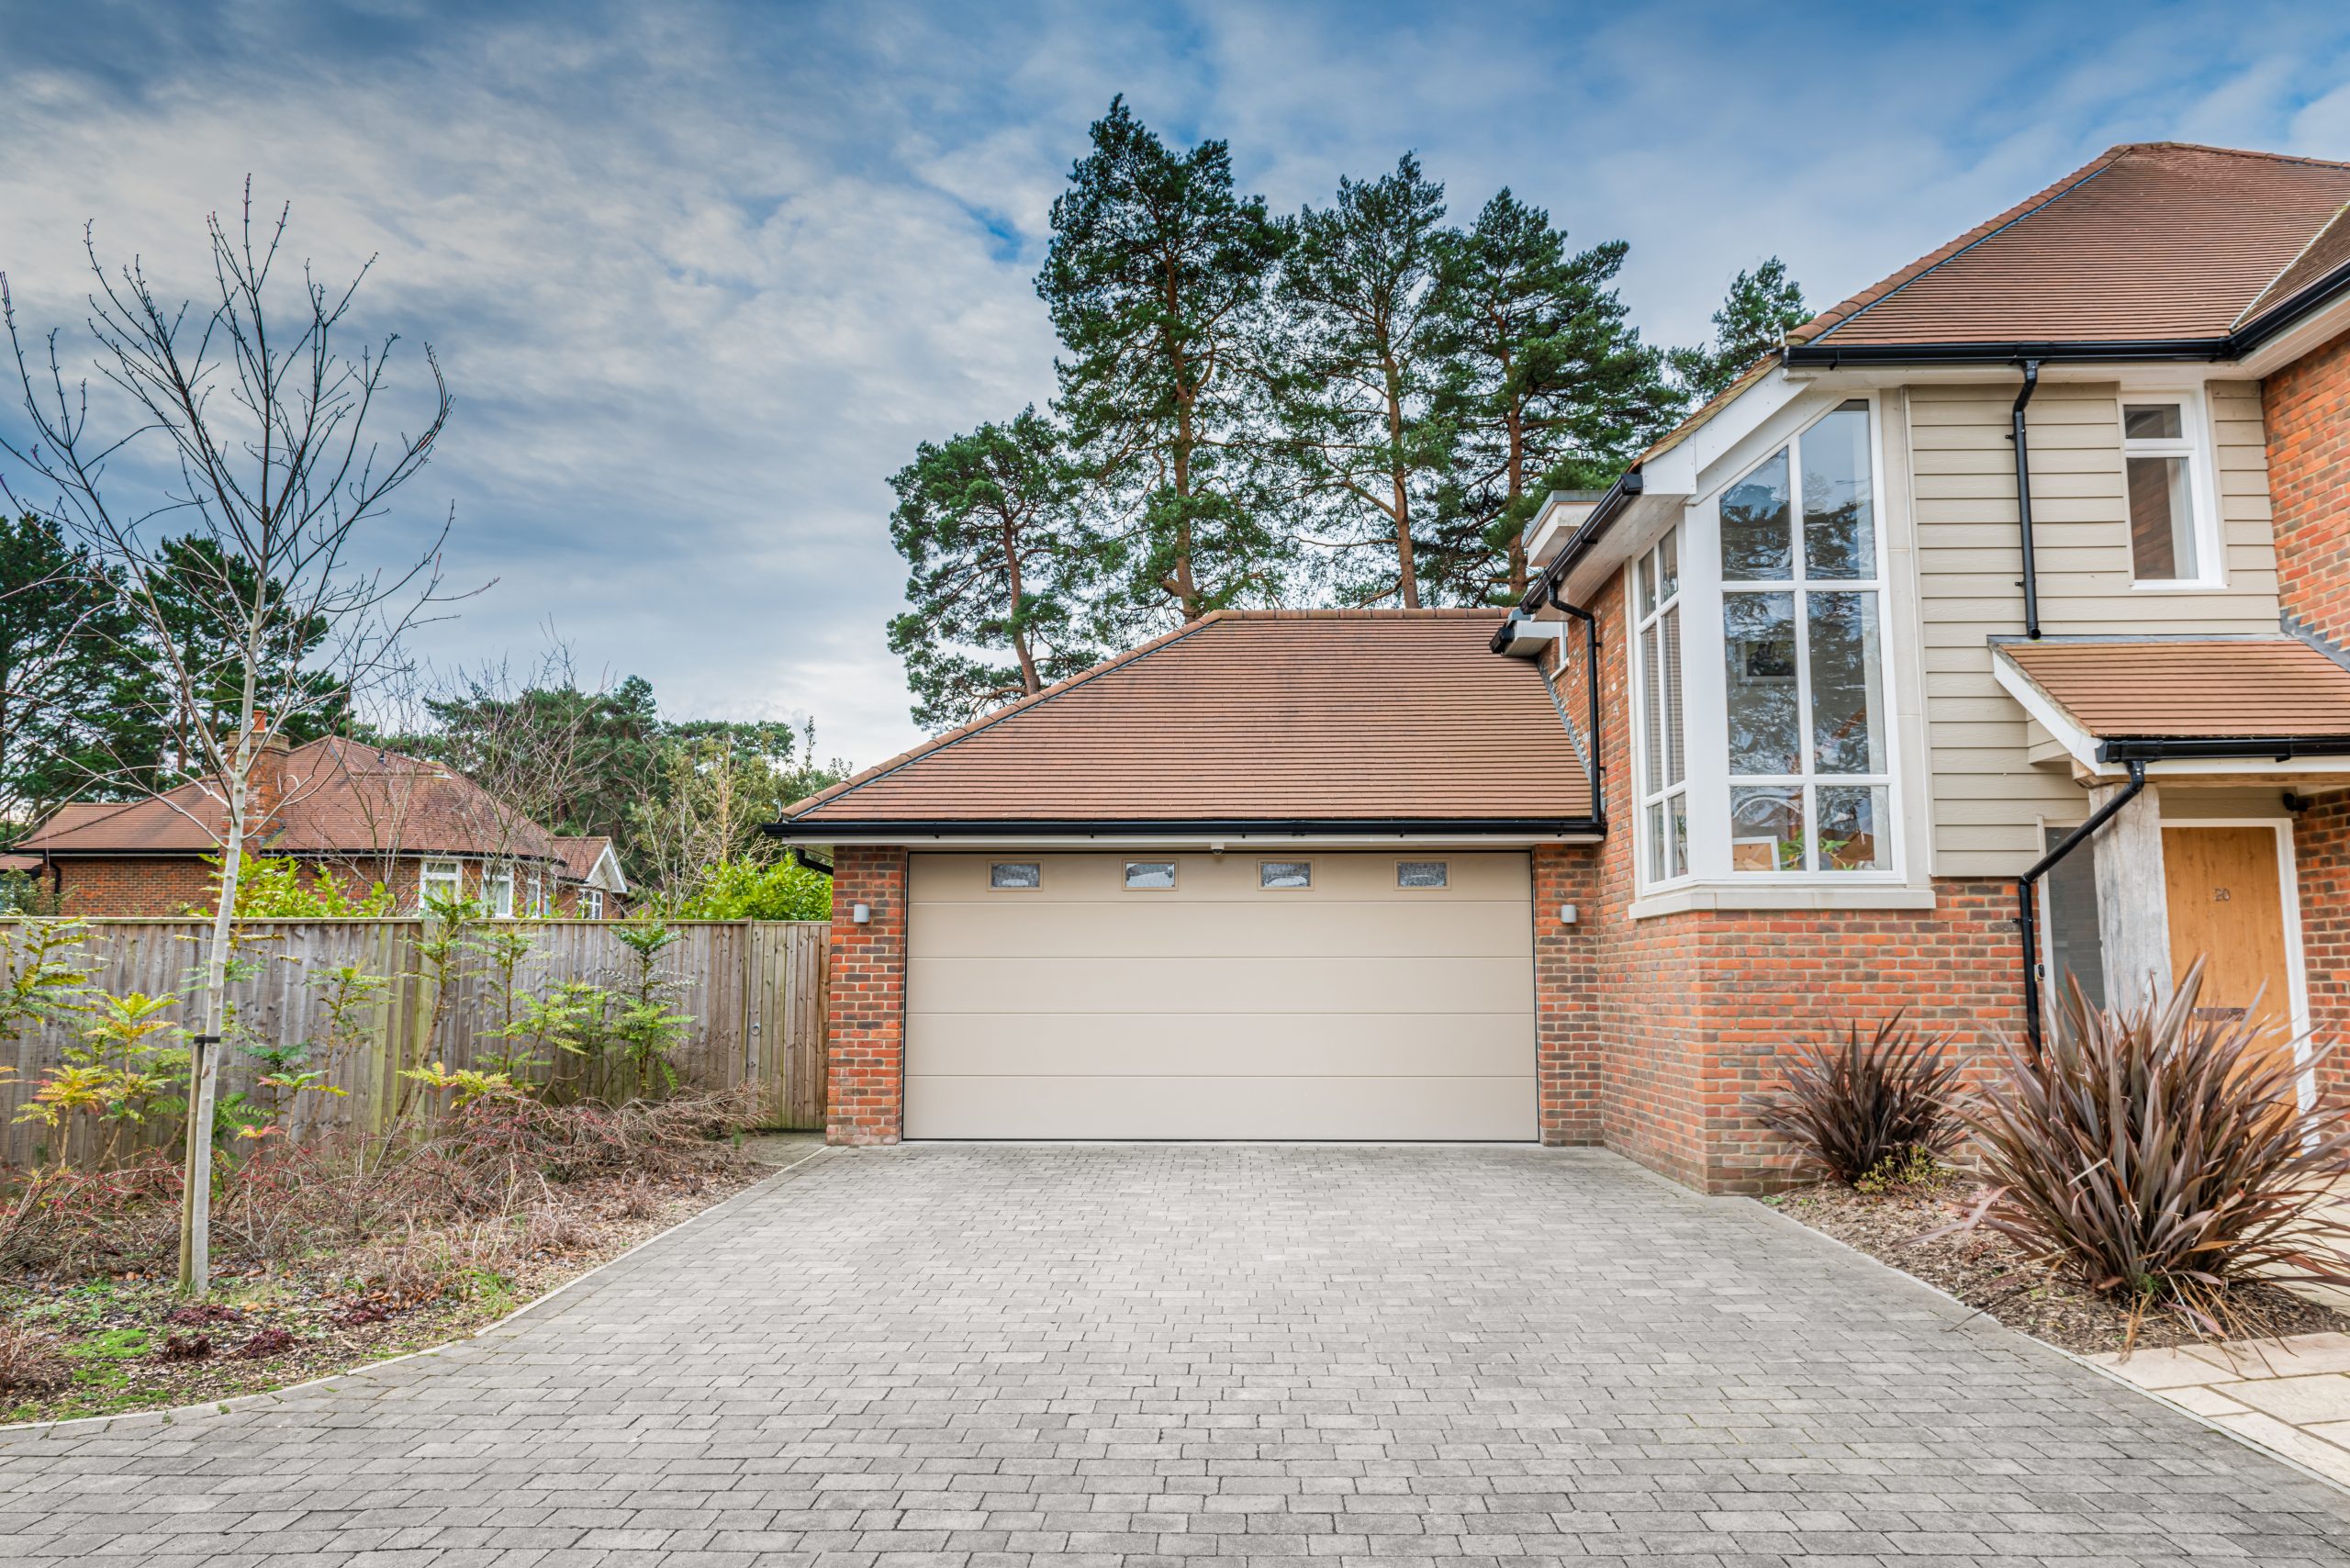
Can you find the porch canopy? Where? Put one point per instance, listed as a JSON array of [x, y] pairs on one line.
[[2267, 704]]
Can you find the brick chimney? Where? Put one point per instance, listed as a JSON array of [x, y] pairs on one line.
[[265, 786]]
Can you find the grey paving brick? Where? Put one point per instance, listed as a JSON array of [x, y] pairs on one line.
[[998, 1357]]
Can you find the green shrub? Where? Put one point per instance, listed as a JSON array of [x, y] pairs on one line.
[[1866, 1109], [2164, 1159], [750, 889]]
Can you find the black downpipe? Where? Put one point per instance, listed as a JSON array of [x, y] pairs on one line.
[[2023, 499], [1591, 661], [2027, 907]]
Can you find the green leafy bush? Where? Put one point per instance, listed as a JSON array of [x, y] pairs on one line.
[[1869, 1109], [2164, 1159], [751, 890]]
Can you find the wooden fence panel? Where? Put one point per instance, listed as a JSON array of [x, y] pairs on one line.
[[753, 990]]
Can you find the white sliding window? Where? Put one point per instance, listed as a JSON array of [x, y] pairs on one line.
[[1663, 769], [1809, 738]]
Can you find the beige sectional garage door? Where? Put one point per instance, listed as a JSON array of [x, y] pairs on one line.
[[1220, 1009]]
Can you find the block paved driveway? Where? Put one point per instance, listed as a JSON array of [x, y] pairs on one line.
[[1000, 1355]]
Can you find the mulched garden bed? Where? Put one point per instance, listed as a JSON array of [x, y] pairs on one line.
[[1988, 1271], [132, 1344]]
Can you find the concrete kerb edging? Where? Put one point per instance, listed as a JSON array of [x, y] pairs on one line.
[[2036, 1342], [91, 1424]]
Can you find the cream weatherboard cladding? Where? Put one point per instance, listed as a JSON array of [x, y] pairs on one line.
[[1988, 805], [1354, 1008]]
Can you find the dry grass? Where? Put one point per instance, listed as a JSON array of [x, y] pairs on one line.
[[30, 1361]]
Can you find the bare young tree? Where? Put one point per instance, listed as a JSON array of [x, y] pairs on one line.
[[250, 569]]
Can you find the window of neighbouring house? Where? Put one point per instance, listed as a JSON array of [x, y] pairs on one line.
[[440, 880], [1809, 735], [538, 904], [2159, 454], [591, 904], [1663, 771], [498, 891]]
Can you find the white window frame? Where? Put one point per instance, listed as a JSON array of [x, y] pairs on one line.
[[591, 904], [1705, 699], [1646, 874], [538, 904], [2195, 444], [494, 880], [436, 874]]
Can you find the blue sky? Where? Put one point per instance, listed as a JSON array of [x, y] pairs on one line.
[[703, 274]]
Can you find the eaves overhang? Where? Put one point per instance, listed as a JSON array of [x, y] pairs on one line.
[[883, 831]]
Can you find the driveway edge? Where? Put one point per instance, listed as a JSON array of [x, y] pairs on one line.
[[90, 1426], [2082, 1361]]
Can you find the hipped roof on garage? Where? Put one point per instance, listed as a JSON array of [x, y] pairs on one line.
[[1313, 720]]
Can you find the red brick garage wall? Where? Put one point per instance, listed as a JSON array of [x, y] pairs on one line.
[[134, 887], [868, 1008]]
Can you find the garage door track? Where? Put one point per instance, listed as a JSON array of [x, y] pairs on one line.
[[984, 1355]]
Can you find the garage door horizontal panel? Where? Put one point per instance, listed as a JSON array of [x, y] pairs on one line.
[[1151, 925], [998, 1045], [1206, 986], [1094, 1107], [1101, 878]]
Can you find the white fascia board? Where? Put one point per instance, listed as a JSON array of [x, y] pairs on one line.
[[2062, 728], [606, 873], [2312, 331]]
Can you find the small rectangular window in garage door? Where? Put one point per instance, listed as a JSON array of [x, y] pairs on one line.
[[1284, 873], [1152, 875], [1016, 874], [1423, 873]]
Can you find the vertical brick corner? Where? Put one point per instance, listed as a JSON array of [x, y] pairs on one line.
[[1568, 1037], [868, 1009]]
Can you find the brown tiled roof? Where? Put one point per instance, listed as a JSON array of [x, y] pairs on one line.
[[338, 797], [2151, 240], [1254, 715], [2190, 688], [579, 855], [2323, 255]]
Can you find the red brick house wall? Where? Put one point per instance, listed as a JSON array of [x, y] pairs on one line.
[[2306, 407], [867, 1002]]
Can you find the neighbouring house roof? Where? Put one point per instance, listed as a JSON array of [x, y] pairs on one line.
[[2151, 241], [1247, 717], [20, 863], [335, 797], [2187, 687], [583, 857]]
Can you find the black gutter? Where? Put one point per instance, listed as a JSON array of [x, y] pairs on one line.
[[824, 831], [1619, 496], [2027, 910], [816, 863], [1591, 662], [2023, 497], [2279, 748]]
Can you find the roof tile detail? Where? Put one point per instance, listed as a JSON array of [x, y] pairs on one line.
[[2151, 240], [2190, 688], [1324, 715]]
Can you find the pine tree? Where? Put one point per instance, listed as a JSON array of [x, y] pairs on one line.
[[1000, 560], [1547, 383], [1359, 372], [77, 682], [1155, 278], [1755, 317]]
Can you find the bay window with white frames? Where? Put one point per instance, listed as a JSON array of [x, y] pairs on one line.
[[1664, 772], [1782, 764]]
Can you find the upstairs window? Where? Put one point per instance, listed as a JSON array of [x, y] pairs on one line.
[[1664, 764], [2158, 457], [1810, 778]]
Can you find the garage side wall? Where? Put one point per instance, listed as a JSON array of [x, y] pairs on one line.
[[1568, 1037], [867, 1009]]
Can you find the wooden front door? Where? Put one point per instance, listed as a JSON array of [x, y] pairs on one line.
[[2227, 907]]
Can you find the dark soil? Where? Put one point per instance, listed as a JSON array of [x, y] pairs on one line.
[[1989, 1272], [126, 1343]]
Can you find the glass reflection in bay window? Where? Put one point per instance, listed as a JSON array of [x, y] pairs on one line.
[[1810, 781], [1664, 772]]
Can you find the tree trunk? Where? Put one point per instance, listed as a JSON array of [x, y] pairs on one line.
[[1517, 572], [1029, 682], [196, 1201], [1407, 581]]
